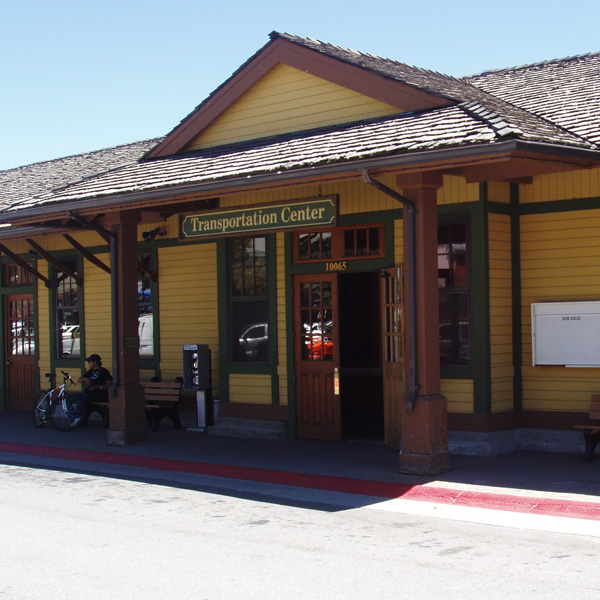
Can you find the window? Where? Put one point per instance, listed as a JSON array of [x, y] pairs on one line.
[[145, 310], [314, 245], [15, 275], [362, 241], [67, 312], [248, 301], [454, 294], [342, 243]]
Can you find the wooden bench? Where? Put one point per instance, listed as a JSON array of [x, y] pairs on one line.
[[591, 430], [161, 398]]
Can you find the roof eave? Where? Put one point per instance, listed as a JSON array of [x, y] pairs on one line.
[[445, 159]]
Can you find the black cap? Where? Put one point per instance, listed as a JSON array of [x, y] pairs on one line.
[[94, 357]]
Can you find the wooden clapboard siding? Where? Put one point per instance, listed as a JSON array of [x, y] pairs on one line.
[[459, 393], [456, 189], [43, 323], [284, 100], [560, 262], [250, 389], [282, 326], [583, 183], [97, 310], [398, 242], [188, 304], [560, 256], [355, 196], [498, 191], [500, 294], [559, 388]]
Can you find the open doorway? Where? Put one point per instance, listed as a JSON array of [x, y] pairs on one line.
[[361, 377]]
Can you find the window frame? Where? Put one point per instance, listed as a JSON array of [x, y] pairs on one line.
[[465, 290], [234, 301], [338, 236], [57, 309]]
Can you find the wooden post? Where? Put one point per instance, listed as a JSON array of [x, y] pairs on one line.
[[127, 424], [424, 428]]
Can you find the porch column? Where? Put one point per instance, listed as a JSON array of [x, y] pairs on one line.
[[424, 428], [127, 425]]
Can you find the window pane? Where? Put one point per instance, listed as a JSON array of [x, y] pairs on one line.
[[315, 245], [349, 242], [303, 246], [374, 241], [249, 331], [361, 241], [68, 332], [455, 335], [145, 309], [248, 302], [326, 244], [69, 340]]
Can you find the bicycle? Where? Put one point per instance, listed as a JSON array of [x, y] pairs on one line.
[[55, 405]]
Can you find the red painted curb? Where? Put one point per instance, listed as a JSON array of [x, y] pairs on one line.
[[380, 489]]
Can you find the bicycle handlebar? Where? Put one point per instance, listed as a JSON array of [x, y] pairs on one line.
[[67, 376]]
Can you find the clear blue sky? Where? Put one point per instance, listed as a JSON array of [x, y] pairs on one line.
[[81, 75]]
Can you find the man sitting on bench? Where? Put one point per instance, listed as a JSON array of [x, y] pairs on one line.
[[97, 382]]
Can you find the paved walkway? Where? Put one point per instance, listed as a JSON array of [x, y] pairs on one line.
[[554, 492]]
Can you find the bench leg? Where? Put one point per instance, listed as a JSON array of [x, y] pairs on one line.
[[89, 409], [155, 415], [591, 441]]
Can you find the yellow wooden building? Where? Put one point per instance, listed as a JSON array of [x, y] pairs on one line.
[[370, 250]]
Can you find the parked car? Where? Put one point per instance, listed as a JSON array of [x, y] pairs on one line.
[[254, 341]]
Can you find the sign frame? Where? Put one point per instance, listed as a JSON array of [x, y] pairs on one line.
[[307, 213]]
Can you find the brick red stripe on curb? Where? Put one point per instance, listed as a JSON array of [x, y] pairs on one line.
[[506, 502]]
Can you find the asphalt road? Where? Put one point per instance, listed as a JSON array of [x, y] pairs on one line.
[[69, 534]]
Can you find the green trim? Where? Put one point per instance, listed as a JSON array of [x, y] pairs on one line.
[[499, 208], [476, 214], [289, 319], [371, 217], [559, 206], [517, 326], [225, 367], [222, 317], [480, 308], [153, 363], [64, 363], [272, 293]]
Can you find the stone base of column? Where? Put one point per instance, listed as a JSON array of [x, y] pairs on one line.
[[131, 437], [424, 436]]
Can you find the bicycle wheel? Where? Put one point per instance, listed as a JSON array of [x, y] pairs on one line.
[[40, 409], [66, 415]]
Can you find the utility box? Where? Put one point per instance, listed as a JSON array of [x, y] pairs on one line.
[[566, 334], [197, 377]]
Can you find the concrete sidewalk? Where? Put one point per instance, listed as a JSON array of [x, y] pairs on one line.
[[528, 483]]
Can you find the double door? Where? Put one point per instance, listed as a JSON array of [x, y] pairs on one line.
[[326, 374]]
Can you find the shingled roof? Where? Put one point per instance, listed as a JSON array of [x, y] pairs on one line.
[[565, 91], [556, 103], [36, 179]]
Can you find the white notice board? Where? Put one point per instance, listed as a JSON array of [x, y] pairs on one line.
[[566, 333]]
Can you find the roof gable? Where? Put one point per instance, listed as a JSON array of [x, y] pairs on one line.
[[284, 100], [353, 76]]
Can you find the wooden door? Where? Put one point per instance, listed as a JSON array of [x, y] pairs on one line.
[[393, 339], [20, 351], [317, 357]]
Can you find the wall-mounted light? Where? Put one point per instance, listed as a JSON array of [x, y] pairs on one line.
[[149, 236]]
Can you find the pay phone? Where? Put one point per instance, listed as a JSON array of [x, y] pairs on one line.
[[197, 377]]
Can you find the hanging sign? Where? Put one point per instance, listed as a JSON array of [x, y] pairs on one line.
[[304, 213]]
